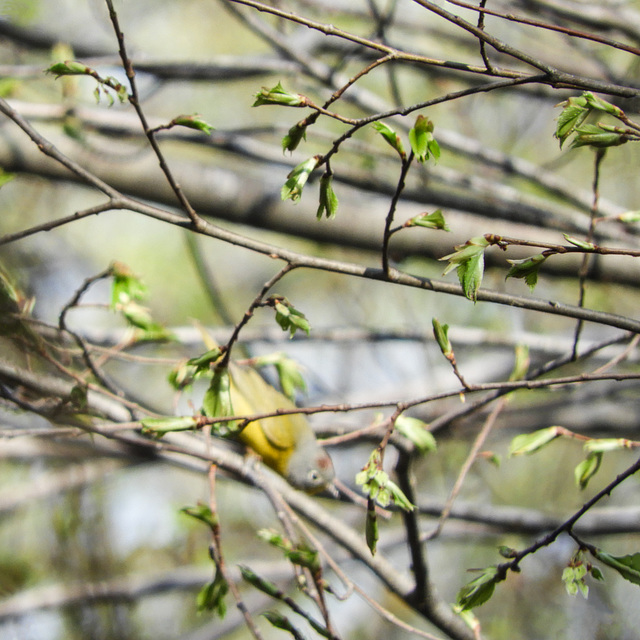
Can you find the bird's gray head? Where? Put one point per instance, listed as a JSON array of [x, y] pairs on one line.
[[310, 468]]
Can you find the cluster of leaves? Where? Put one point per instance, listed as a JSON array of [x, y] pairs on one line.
[[423, 143], [211, 596], [127, 292], [106, 86], [287, 316], [378, 487], [595, 448], [468, 259], [576, 111], [421, 138], [574, 576]]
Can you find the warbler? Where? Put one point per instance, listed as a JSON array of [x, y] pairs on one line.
[[285, 443]]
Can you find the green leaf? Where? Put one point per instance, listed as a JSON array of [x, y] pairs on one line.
[[217, 400], [602, 445], [422, 141], [126, 285], [479, 590], [278, 95], [300, 554], [69, 68], [526, 269], [160, 426], [587, 469], [280, 621], [595, 136], [581, 244], [599, 104], [417, 432], [398, 496], [294, 137], [627, 566], [441, 334], [469, 260], [528, 443], [203, 363], [202, 513], [629, 217], [182, 376], [195, 121], [573, 115], [574, 580], [297, 178], [328, 200], [260, 583], [507, 552], [377, 486], [433, 220], [470, 275], [521, 364], [288, 317], [211, 596], [391, 137]]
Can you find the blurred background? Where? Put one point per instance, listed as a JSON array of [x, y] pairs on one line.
[[92, 540]]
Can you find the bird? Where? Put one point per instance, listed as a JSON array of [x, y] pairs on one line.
[[287, 444]]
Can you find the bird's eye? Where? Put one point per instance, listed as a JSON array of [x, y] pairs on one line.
[[313, 476]]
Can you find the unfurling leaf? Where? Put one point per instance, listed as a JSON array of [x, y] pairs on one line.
[[433, 220], [69, 68], [280, 621], [288, 317], [469, 261], [526, 269], [479, 590], [211, 596], [417, 432], [629, 217], [441, 334], [202, 513], [528, 443], [627, 566], [300, 553], [601, 445], [602, 105], [277, 95], [294, 137], [521, 364], [587, 469], [160, 426], [297, 178], [126, 285], [195, 121], [260, 583], [328, 200], [377, 486], [422, 141], [217, 399], [574, 580], [593, 135], [391, 137], [581, 244], [573, 115]]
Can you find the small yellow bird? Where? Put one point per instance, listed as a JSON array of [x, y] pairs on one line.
[[286, 443]]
